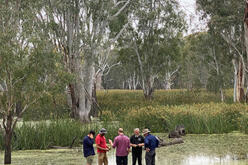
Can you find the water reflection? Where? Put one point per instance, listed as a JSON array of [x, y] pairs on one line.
[[187, 160]]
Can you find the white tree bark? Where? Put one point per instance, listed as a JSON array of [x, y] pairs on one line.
[[79, 35], [235, 66]]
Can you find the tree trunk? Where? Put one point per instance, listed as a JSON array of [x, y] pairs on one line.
[[94, 110], [222, 94], [8, 138], [98, 81], [167, 81], [235, 66], [74, 102], [7, 153], [246, 39], [85, 86], [240, 83], [123, 85], [18, 107], [148, 87], [238, 91]]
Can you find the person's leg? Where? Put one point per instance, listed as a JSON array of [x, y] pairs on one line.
[[134, 158], [90, 160], [153, 158], [139, 156], [125, 160], [118, 160], [105, 159], [149, 157], [100, 158]]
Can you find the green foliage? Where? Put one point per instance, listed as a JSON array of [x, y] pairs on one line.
[[225, 17], [117, 100], [206, 62], [199, 111], [244, 122]]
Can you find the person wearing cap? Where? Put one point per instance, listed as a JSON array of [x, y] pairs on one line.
[[137, 141], [102, 147], [122, 145], [88, 147], [151, 143]]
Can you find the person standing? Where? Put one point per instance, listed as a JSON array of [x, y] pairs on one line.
[[122, 145], [151, 143], [137, 141], [88, 148], [102, 147]]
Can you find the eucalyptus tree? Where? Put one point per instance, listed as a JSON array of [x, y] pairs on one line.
[[105, 61], [28, 65], [154, 23], [80, 30], [171, 53], [211, 59], [225, 18]]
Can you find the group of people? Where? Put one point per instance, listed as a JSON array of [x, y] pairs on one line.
[[123, 146]]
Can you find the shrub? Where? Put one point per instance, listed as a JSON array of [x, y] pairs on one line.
[[197, 118]]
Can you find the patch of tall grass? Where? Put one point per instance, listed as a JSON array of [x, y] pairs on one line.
[[43, 135], [197, 118], [244, 122], [117, 100]]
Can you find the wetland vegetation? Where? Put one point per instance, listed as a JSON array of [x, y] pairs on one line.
[[214, 149]]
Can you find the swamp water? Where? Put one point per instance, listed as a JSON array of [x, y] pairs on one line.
[[224, 149]]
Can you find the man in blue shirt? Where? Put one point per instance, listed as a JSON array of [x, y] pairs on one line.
[[88, 147], [151, 143]]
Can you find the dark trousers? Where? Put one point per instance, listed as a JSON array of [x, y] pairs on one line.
[[150, 157], [135, 156], [121, 160]]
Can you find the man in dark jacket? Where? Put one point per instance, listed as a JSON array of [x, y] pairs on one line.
[[151, 143], [88, 147], [137, 141]]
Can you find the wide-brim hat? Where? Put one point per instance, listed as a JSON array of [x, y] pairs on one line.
[[103, 131], [146, 131]]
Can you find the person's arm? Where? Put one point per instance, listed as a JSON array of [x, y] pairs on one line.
[[147, 145], [100, 148], [129, 146], [113, 145], [133, 145], [132, 142], [98, 145]]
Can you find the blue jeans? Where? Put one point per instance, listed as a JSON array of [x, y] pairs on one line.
[[121, 160]]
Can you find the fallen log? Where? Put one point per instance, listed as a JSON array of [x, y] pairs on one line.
[[162, 143], [67, 147]]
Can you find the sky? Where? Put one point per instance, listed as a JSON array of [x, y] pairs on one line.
[[195, 24]]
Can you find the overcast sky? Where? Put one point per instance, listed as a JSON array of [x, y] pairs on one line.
[[193, 20]]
